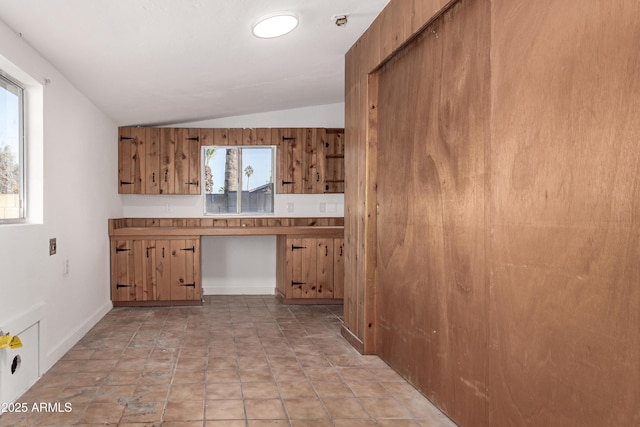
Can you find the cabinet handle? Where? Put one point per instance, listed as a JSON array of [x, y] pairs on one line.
[[297, 283], [125, 138], [119, 285], [191, 285], [153, 177], [126, 182], [196, 183], [122, 250], [340, 250], [193, 138], [326, 250], [288, 138], [191, 249], [166, 176], [317, 176], [287, 182], [294, 247], [162, 252]]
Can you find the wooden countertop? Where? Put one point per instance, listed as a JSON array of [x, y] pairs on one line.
[[130, 229]]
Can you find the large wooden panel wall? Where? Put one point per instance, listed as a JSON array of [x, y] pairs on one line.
[[565, 262], [558, 244]]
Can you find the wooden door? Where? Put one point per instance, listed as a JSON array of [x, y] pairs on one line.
[[338, 268], [167, 160], [152, 161], [334, 161], [301, 267], [184, 255], [146, 272], [186, 161], [131, 160], [431, 283], [324, 268], [163, 269], [313, 160], [289, 161], [123, 287]]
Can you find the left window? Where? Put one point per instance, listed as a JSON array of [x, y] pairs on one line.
[[12, 151]]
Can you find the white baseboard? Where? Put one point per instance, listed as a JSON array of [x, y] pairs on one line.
[[239, 290]]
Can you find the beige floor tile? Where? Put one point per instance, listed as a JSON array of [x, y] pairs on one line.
[[264, 409], [184, 411], [345, 408], [241, 361], [305, 409], [224, 410], [263, 390]]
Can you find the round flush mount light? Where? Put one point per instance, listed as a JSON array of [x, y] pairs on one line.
[[275, 25]]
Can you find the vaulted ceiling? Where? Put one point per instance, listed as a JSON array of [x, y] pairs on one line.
[[148, 62]]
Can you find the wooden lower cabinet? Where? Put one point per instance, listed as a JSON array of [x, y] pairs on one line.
[[155, 272], [310, 270]]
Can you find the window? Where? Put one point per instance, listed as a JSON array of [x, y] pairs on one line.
[[11, 151], [238, 180]]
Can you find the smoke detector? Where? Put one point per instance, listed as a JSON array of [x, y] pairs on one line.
[[340, 19]]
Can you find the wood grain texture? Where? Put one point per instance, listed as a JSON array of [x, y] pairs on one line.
[[431, 289], [565, 197], [368, 53], [553, 211]]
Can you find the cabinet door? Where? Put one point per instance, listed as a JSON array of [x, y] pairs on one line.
[[146, 277], [313, 164], [302, 268], [187, 161], [131, 160], [167, 160], [163, 269], [324, 268], [122, 271], [185, 284], [338, 268], [289, 161], [152, 160], [334, 161]]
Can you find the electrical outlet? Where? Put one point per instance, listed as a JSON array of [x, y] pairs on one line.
[[52, 246]]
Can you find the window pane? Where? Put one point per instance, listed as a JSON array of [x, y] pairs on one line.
[[257, 177], [221, 180], [10, 150], [230, 169]]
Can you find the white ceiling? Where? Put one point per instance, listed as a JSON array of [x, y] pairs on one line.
[[169, 61]]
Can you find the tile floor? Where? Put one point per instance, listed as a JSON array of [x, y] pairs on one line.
[[236, 361]]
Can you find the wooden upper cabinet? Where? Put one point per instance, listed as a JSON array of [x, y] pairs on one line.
[[158, 161], [310, 160], [168, 160]]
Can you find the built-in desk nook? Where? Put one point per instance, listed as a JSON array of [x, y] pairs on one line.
[[157, 261]]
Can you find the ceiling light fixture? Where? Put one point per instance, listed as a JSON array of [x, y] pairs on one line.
[[275, 25]]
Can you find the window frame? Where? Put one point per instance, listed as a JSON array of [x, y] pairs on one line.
[[239, 213], [22, 147]]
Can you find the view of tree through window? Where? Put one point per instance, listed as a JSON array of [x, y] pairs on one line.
[[10, 150], [233, 171]]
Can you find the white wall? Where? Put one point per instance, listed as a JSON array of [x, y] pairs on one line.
[[226, 269], [73, 191]]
